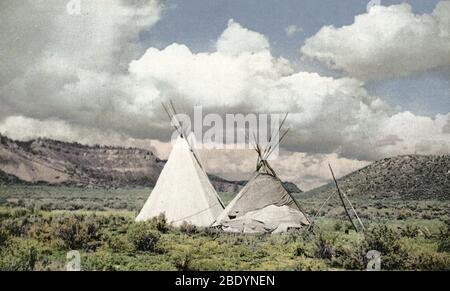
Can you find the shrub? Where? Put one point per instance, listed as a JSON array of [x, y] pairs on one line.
[[379, 238], [19, 255], [4, 236], [184, 262], [76, 233], [20, 212], [188, 228], [41, 231], [159, 223], [324, 247], [15, 226], [143, 237], [308, 264], [211, 232], [401, 216], [117, 242], [444, 239], [410, 231], [350, 258], [337, 226], [99, 261], [302, 250], [303, 246], [387, 242], [430, 262]]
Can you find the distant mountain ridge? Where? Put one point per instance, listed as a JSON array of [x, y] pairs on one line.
[[408, 177], [55, 162], [46, 161]]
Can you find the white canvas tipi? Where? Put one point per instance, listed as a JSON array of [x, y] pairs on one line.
[[263, 205], [183, 192]]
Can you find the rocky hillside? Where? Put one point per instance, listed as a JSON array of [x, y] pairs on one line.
[[291, 187], [409, 177], [223, 185], [53, 162]]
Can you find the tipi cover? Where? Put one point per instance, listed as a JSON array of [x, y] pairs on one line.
[[183, 192], [263, 205]]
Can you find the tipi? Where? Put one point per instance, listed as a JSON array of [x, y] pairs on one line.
[[183, 192], [263, 205]]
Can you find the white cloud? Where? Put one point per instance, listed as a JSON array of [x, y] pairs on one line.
[[291, 30], [446, 128], [73, 67], [24, 128], [417, 134], [88, 96], [306, 170], [386, 41], [91, 40], [326, 114], [309, 171], [236, 40], [103, 37], [204, 78]]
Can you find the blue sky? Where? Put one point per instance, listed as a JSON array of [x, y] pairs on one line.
[[92, 77], [198, 24]]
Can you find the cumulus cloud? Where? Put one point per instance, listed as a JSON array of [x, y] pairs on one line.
[[306, 170], [416, 134], [99, 89], [326, 114], [24, 129], [73, 67], [35, 30], [309, 171], [237, 39], [384, 42], [446, 128]]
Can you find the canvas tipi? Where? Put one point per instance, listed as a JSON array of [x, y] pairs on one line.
[[183, 192], [263, 205]]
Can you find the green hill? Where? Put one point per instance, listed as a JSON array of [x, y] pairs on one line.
[[408, 177]]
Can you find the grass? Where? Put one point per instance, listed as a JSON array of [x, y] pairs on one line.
[[379, 209], [38, 226], [73, 198]]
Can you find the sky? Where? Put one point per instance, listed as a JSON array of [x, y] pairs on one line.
[[199, 23], [360, 84]]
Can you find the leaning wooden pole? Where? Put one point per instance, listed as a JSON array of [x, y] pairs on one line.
[[342, 199], [354, 211]]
